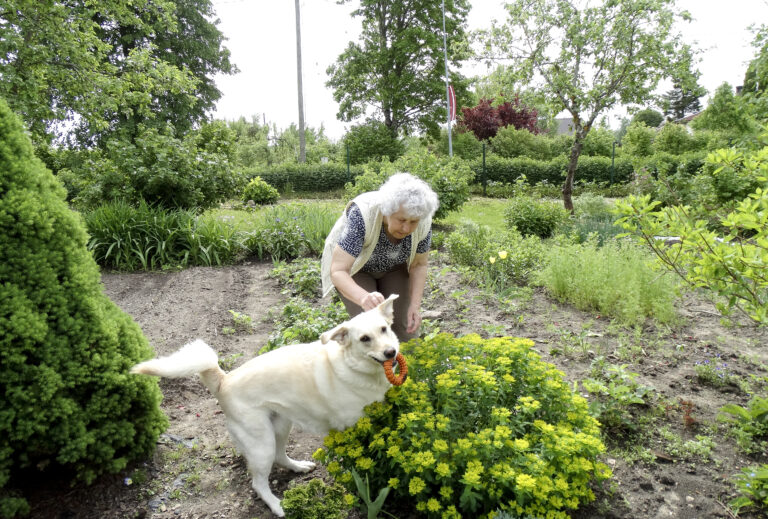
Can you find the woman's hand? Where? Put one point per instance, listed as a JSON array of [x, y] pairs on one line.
[[414, 319], [371, 300]]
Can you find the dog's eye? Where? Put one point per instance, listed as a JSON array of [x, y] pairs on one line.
[[365, 338], [383, 329]]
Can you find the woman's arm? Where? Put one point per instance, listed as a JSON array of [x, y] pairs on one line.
[[418, 280], [341, 266]]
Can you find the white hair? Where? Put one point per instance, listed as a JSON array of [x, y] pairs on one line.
[[412, 195]]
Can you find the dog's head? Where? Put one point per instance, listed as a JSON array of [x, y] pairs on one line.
[[369, 333]]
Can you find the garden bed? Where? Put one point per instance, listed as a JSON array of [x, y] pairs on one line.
[[665, 470]]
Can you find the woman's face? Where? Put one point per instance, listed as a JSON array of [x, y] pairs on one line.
[[399, 224]]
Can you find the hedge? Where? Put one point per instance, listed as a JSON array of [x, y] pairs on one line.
[[305, 177], [589, 169]]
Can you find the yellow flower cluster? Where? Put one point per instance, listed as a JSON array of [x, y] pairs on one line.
[[517, 452]]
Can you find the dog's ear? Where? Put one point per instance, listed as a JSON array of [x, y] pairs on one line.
[[339, 334], [387, 308]]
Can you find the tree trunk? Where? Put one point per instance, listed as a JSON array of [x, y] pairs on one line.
[[578, 143]]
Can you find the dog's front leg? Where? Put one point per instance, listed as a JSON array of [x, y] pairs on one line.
[[282, 428]]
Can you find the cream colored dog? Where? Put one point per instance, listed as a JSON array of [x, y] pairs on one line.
[[319, 386]]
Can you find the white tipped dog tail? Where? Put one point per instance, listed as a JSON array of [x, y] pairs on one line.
[[195, 357]]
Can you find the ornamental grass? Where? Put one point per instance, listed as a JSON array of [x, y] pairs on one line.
[[481, 425]]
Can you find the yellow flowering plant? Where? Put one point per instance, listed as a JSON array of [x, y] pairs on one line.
[[480, 426]]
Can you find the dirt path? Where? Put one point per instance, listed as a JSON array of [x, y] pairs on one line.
[[195, 473]]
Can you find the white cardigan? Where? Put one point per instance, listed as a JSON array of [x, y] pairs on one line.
[[372, 217]]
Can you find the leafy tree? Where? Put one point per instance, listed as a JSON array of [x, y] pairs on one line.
[[673, 138], [726, 112], [484, 120], [371, 141], [638, 140], [65, 349], [116, 65], [756, 77], [650, 117], [590, 57], [397, 68]]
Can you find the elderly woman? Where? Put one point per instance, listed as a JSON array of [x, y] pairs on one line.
[[380, 246]]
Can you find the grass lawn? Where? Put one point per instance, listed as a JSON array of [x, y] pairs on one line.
[[483, 211]]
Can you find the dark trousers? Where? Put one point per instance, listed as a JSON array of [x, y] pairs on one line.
[[396, 281]]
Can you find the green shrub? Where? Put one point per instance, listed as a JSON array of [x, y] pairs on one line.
[[448, 177], [673, 138], [316, 500], [589, 169], [290, 231], [616, 280], [465, 145], [371, 141], [510, 142], [510, 259], [534, 217], [193, 172], [638, 141], [465, 243], [260, 192], [68, 402], [479, 425]]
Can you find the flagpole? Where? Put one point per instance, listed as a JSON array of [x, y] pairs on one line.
[[447, 91]]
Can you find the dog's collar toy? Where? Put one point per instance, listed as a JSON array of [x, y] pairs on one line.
[[396, 380]]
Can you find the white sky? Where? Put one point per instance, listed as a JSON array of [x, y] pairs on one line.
[[262, 38]]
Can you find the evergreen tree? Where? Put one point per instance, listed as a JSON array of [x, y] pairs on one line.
[[65, 348], [682, 101]]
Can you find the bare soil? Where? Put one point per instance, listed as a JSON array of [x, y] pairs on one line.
[[195, 473]]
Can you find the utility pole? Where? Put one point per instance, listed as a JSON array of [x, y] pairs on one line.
[[447, 90], [302, 136]]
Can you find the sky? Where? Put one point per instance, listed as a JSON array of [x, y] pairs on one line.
[[261, 35]]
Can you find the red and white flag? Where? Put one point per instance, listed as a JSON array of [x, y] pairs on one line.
[[452, 102]]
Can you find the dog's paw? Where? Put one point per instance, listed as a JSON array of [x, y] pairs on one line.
[[304, 466]]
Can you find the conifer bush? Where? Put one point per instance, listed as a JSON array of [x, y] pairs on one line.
[[68, 402], [479, 426]]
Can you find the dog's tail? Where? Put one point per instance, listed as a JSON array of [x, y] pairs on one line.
[[195, 357]]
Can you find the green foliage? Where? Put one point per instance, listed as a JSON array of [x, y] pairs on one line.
[[305, 177], [372, 506], [315, 500], [748, 424], [479, 425], [449, 178], [617, 399], [726, 112], [396, 68], [673, 138], [371, 141], [589, 169], [300, 321], [731, 266], [299, 278], [638, 141], [752, 483], [291, 230], [193, 172], [534, 217], [124, 237], [466, 242], [598, 143], [260, 192], [650, 117], [510, 142], [465, 145], [65, 349], [615, 280]]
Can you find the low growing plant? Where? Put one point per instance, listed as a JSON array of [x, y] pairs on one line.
[[260, 192], [299, 278], [748, 424], [299, 322], [534, 217], [316, 500], [753, 486], [480, 425]]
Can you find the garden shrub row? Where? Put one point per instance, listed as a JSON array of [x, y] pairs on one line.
[[589, 169], [305, 177]]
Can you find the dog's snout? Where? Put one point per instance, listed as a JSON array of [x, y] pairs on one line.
[[390, 353]]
